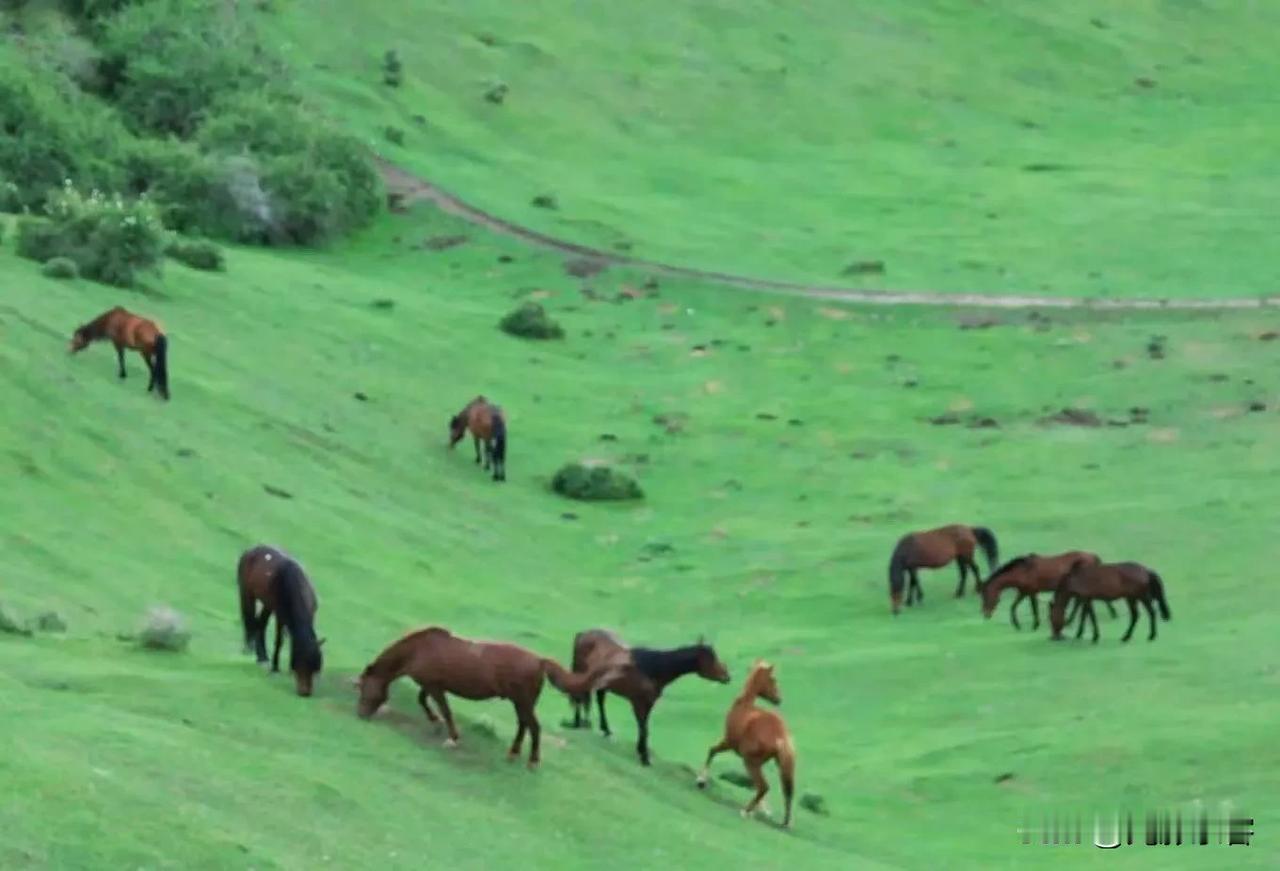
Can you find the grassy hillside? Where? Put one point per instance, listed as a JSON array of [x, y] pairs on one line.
[[799, 449], [1088, 149]]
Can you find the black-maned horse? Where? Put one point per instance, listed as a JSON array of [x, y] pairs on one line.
[[270, 576]]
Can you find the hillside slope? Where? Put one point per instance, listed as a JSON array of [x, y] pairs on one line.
[[783, 447], [1085, 150]]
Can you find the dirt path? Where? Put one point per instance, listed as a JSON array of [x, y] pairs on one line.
[[414, 189]]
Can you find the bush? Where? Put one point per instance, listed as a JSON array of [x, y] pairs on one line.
[[110, 239], [198, 254], [392, 69], [51, 621], [394, 135], [531, 321], [164, 629], [60, 267], [595, 483], [9, 623]]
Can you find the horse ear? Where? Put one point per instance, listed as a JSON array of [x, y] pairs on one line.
[[321, 642], [702, 639]]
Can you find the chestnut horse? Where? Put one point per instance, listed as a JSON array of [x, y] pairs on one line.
[[487, 425], [642, 675], [270, 576], [1132, 582], [127, 330], [757, 736], [440, 662], [1030, 575], [933, 549]]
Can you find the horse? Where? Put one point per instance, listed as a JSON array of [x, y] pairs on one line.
[[933, 549], [642, 674], [270, 576], [127, 330], [1130, 581], [441, 662], [758, 735], [488, 425], [1030, 575]]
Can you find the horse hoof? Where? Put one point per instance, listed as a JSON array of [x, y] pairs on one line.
[[533, 765], [701, 782], [449, 743]]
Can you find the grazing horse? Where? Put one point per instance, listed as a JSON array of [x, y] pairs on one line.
[[127, 330], [1132, 582], [933, 549], [442, 663], [487, 425], [757, 736], [270, 576], [642, 675], [1030, 575]]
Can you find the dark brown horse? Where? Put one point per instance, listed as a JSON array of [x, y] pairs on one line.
[[270, 576], [440, 662], [488, 426], [127, 330], [757, 736], [933, 549], [1031, 575], [643, 673], [1132, 582]]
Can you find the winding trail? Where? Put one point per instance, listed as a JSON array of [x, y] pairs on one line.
[[412, 189]]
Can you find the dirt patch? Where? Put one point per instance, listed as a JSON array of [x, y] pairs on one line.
[[442, 243], [585, 267], [978, 322], [1071, 417], [864, 267], [833, 314]]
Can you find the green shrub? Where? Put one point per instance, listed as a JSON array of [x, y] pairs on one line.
[[164, 629], [595, 482], [10, 624], [392, 69], [198, 254], [531, 321], [50, 621], [394, 135], [110, 239], [60, 267]]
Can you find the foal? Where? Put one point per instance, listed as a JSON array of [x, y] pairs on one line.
[[487, 425], [127, 330], [641, 674], [1132, 582], [933, 549], [1030, 575], [757, 736], [442, 663], [270, 576]]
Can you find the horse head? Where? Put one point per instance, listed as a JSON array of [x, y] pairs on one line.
[[709, 665], [373, 693], [764, 683], [457, 428]]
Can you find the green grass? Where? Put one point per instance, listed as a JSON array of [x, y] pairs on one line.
[[777, 536], [969, 146]]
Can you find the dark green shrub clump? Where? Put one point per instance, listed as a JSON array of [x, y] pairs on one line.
[[198, 254], [531, 321], [109, 239], [392, 69], [60, 267], [595, 483]]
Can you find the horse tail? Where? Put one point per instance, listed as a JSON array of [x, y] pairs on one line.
[[162, 364], [247, 618], [499, 437], [577, 684], [898, 573], [786, 751], [1157, 593], [987, 541]]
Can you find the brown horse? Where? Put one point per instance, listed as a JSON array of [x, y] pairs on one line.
[[1132, 582], [488, 426], [442, 663], [933, 549], [127, 330], [1030, 575], [757, 736], [270, 576], [642, 675]]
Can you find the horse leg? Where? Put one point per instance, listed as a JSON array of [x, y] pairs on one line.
[[762, 786], [977, 576], [120, 359], [1093, 618], [1035, 611], [422, 700], [1151, 613], [476, 439], [1111, 608], [488, 456], [514, 753], [604, 721], [642, 707], [1013, 610], [716, 749], [535, 738], [1084, 618], [443, 705], [151, 369], [260, 633], [964, 571], [275, 656], [914, 592], [1133, 619]]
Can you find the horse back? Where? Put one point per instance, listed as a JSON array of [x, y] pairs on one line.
[[758, 732], [256, 568], [476, 669]]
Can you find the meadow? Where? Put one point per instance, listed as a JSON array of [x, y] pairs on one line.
[[783, 444]]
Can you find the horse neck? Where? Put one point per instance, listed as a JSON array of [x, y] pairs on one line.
[[394, 661], [293, 604], [750, 692], [665, 666], [97, 328]]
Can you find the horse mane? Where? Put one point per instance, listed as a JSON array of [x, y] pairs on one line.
[[1011, 564], [394, 655], [667, 665], [94, 328], [291, 609]]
